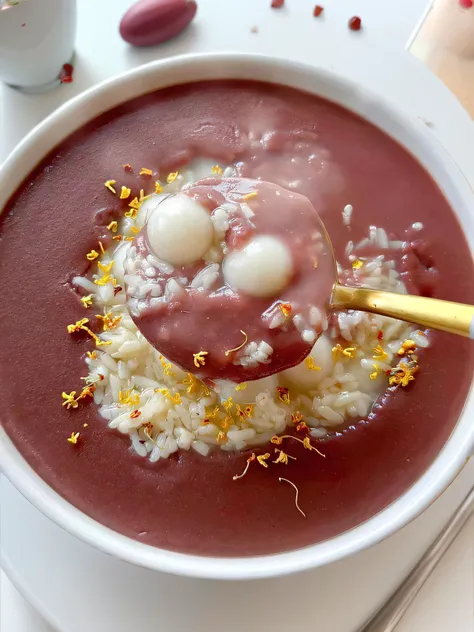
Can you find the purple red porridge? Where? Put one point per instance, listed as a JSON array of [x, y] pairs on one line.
[[188, 501]]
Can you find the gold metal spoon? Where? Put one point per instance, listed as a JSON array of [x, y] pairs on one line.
[[456, 318]]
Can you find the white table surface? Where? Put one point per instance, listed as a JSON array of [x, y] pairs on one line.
[[220, 25], [447, 600], [82, 590]]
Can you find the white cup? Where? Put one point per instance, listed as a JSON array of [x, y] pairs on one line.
[[36, 39]]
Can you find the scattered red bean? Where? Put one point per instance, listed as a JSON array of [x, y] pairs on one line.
[[65, 76], [318, 9], [355, 23], [277, 4], [466, 4]]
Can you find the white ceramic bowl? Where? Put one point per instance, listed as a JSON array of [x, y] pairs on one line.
[[410, 133]]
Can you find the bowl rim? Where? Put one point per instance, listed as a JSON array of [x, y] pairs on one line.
[[272, 69]]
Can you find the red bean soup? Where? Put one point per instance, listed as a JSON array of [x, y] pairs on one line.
[[167, 472]]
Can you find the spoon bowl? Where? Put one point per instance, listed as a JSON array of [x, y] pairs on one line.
[[245, 303]]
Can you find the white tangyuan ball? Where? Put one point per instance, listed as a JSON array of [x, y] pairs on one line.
[[180, 230], [147, 207], [303, 377], [262, 268]]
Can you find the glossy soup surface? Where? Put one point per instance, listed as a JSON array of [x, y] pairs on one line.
[[189, 503]]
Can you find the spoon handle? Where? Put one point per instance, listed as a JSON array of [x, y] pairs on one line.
[[456, 318]]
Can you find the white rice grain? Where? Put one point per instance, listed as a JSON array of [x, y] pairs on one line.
[[201, 447], [420, 339], [330, 415], [206, 278], [175, 417], [309, 336], [85, 284], [277, 320], [347, 215]]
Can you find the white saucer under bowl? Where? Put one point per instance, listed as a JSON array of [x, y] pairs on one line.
[[76, 588]]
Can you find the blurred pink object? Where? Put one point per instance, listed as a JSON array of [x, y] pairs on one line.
[[151, 22]]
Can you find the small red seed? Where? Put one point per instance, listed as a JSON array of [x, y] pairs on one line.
[[318, 9], [466, 4], [277, 4], [355, 23], [65, 75]]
